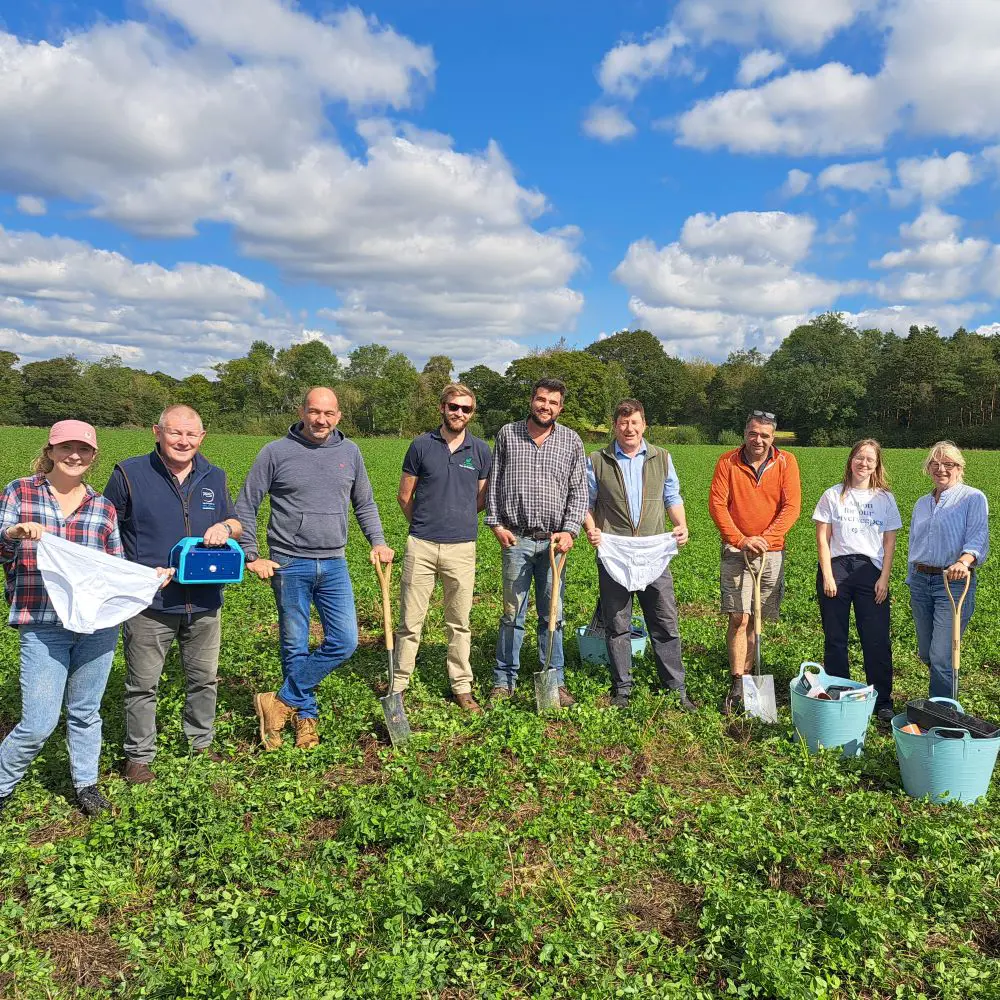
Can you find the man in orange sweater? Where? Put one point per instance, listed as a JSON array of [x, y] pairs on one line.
[[754, 499]]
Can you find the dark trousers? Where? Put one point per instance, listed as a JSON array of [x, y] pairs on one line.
[[659, 609], [855, 577]]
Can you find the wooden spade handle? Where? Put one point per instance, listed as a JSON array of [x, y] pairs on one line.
[[556, 563], [384, 576]]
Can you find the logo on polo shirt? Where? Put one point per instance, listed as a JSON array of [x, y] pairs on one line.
[[468, 464], [207, 498]]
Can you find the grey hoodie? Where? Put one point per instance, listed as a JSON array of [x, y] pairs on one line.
[[310, 486]]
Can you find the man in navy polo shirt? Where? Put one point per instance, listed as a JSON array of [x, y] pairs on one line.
[[169, 494], [442, 490]]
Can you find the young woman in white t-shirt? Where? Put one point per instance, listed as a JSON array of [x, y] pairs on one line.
[[856, 525]]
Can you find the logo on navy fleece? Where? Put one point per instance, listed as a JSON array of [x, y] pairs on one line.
[[207, 498]]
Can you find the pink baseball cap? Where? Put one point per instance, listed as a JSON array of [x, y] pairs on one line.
[[73, 430]]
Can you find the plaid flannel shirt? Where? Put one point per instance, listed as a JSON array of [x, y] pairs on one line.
[[537, 488], [94, 524]]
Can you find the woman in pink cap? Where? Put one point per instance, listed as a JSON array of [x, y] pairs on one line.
[[55, 662]]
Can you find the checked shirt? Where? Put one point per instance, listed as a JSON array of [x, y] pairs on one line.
[[94, 524], [537, 488]]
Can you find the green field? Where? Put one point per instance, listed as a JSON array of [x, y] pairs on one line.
[[596, 854]]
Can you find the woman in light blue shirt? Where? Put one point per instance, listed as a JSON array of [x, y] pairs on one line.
[[949, 535]]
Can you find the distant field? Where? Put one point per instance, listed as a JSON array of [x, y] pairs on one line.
[[646, 854]]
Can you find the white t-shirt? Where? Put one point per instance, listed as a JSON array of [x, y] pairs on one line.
[[859, 520]]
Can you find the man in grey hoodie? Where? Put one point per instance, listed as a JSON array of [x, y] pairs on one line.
[[310, 475]]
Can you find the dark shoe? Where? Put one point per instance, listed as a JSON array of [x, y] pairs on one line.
[[619, 701], [4, 802], [91, 801], [566, 700], [687, 705], [467, 703], [497, 695], [734, 700], [885, 714], [209, 754], [137, 772]]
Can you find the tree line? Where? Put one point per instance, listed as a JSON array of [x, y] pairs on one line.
[[828, 382]]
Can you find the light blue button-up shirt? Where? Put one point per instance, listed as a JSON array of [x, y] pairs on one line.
[[940, 532], [632, 474]]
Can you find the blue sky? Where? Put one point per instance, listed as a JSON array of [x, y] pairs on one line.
[[181, 177]]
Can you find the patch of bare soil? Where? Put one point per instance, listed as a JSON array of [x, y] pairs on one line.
[[83, 960], [660, 903], [52, 832], [368, 772]]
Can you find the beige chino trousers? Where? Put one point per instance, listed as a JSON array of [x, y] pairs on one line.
[[424, 563]]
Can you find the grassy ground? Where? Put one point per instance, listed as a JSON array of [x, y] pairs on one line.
[[592, 854]]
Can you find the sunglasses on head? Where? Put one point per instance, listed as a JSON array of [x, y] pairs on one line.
[[455, 407], [762, 413]]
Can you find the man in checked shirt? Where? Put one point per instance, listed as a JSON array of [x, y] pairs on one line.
[[537, 494]]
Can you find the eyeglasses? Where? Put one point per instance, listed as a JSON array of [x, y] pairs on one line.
[[455, 407], [942, 466], [762, 413]]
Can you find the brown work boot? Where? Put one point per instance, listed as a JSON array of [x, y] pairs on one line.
[[209, 754], [497, 695], [137, 772], [566, 700], [306, 735], [273, 715], [467, 703]]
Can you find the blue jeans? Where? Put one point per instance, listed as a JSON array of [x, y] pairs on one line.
[[932, 619], [524, 561], [57, 664], [298, 584]]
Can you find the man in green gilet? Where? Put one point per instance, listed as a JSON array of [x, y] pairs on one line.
[[631, 483]]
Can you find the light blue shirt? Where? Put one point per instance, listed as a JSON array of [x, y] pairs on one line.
[[632, 474], [940, 532]]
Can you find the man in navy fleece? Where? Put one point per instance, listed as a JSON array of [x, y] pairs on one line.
[[311, 476]]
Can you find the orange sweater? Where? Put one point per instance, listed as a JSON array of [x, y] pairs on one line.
[[742, 506]]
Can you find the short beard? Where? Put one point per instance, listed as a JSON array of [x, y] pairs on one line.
[[541, 423]]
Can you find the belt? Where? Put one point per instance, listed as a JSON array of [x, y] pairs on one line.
[[929, 570], [535, 534]]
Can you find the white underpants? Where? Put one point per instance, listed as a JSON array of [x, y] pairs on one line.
[[89, 589], [635, 561]]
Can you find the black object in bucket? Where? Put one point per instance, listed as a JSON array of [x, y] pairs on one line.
[[930, 714], [597, 630]]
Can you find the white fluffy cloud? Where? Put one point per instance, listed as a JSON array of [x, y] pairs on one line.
[[796, 182], [758, 65], [347, 56], [607, 124], [408, 235], [935, 178], [727, 281], [866, 176], [793, 23], [823, 111], [28, 204], [629, 65], [59, 295]]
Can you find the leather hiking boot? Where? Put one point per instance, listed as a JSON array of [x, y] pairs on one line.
[[273, 715], [686, 704], [619, 701], [467, 703], [137, 772], [734, 700], [306, 733], [566, 700], [91, 801], [497, 695], [209, 754]]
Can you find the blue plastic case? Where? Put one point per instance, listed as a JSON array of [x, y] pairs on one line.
[[196, 562]]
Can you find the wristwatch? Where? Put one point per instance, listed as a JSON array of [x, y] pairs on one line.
[[228, 527]]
